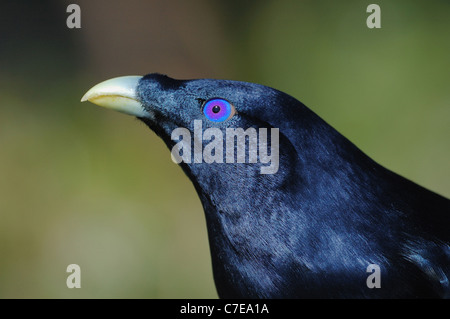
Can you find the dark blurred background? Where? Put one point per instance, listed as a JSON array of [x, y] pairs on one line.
[[81, 184]]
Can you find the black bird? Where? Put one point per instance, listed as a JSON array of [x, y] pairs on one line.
[[303, 213]]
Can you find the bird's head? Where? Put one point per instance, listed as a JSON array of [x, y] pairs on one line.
[[223, 133]]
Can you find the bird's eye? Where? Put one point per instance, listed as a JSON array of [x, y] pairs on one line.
[[218, 110]]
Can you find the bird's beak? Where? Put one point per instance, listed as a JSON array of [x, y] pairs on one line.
[[118, 94]]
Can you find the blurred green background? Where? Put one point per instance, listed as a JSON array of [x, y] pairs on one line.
[[81, 184]]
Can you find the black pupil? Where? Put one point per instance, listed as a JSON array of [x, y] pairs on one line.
[[216, 109]]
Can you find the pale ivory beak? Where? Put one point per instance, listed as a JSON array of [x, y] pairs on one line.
[[118, 94]]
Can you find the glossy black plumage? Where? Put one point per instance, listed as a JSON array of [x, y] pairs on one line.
[[311, 229]]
